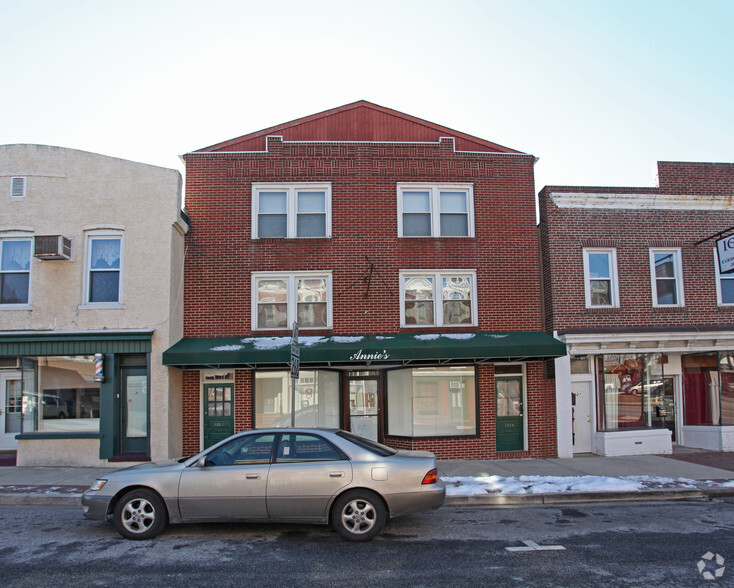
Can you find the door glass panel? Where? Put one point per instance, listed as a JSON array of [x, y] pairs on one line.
[[13, 396], [137, 406], [363, 408]]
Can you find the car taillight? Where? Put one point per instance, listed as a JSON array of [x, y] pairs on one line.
[[431, 477]]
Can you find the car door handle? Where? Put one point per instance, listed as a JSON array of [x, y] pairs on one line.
[[253, 476], [336, 474]]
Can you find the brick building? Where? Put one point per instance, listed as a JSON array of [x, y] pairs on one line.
[[632, 286], [407, 254]]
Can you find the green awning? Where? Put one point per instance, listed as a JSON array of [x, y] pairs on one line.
[[24, 343], [399, 349]]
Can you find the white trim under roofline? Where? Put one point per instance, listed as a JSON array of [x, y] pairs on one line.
[[453, 139], [648, 342], [641, 201]]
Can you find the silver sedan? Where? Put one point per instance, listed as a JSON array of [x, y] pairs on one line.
[[279, 475]]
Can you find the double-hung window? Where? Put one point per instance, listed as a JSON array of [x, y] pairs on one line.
[[280, 299], [440, 210], [441, 299], [104, 255], [600, 278], [15, 271], [291, 211], [667, 277], [724, 284]]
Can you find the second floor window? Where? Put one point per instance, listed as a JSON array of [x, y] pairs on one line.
[[600, 278], [667, 281], [281, 299], [438, 299], [290, 211], [440, 210], [15, 271], [104, 269]]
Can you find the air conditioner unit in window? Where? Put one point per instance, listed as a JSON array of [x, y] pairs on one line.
[[52, 247]]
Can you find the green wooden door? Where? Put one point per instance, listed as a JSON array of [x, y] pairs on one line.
[[509, 425], [218, 413]]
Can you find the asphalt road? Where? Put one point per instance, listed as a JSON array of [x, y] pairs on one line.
[[605, 544]]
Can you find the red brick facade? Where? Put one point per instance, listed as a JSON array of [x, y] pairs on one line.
[[365, 256]]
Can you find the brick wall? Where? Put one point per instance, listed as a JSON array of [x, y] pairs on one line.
[[564, 232]]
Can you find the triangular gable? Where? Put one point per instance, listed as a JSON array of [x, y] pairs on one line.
[[360, 121]]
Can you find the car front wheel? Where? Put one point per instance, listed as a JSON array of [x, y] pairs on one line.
[[140, 514], [358, 515]]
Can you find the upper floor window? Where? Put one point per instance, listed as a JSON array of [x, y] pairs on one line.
[[17, 187], [291, 210], [438, 298], [15, 271], [104, 269], [440, 210], [724, 284], [667, 277], [600, 278], [281, 299]]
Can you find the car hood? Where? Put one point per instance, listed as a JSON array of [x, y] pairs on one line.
[[148, 467]]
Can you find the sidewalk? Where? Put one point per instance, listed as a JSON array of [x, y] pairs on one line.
[[689, 473]]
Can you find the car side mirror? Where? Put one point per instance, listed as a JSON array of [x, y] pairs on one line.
[[201, 463]]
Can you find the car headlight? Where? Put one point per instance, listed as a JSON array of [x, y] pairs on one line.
[[98, 485]]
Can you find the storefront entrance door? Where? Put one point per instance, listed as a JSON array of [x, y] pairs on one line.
[[10, 409], [218, 413], [363, 404], [509, 429], [134, 430], [581, 411]]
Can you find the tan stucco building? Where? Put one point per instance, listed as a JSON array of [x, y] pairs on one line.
[[91, 294]]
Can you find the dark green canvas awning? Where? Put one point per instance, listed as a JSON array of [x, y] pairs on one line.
[[19, 343], [400, 349]]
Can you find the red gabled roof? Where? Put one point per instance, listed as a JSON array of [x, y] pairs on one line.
[[359, 121]]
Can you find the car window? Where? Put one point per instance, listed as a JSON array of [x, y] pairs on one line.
[[369, 445], [305, 447], [249, 449]]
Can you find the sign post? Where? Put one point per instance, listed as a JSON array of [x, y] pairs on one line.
[[295, 368]]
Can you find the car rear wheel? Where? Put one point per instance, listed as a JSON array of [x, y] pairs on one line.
[[140, 514], [358, 515]]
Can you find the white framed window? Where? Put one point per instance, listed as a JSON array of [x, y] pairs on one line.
[[667, 277], [279, 299], [103, 269], [17, 187], [724, 285], [15, 271], [291, 211], [600, 278], [435, 210], [438, 298]]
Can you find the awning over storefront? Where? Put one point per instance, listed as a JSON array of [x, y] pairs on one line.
[[24, 343], [399, 349]]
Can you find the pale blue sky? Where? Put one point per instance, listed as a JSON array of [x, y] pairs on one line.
[[598, 90]]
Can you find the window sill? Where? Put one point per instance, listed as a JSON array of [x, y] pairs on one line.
[[105, 306], [16, 307], [58, 435]]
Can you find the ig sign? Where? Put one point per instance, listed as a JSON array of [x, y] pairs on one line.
[[725, 247]]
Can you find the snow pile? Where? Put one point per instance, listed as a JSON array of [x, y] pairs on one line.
[[479, 486]]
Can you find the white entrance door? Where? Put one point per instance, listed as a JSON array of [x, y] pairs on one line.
[[582, 421], [10, 410]]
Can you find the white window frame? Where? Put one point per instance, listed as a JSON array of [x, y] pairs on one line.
[[614, 288], [437, 276], [19, 237], [292, 298], [719, 278], [435, 208], [22, 181], [678, 268], [292, 190], [89, 237]]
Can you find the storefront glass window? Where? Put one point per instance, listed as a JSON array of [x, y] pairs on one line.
[[701, 389], [431, 402], [317, 399], [60, 394], [726, 371], [630, 386]]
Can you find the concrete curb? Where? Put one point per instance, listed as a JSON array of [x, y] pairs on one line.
[[39, 499], [571, 497]]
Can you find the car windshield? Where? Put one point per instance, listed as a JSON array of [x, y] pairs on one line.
[[371, 446]]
